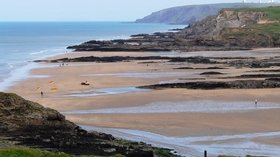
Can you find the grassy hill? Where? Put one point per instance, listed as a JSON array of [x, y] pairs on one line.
[[192, 13], [30, 152]]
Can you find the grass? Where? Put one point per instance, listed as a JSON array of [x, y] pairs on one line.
[[271, 30], [30, 152], [271, 13], [164, 153]]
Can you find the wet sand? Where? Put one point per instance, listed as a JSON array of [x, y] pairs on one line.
[[112, 89]]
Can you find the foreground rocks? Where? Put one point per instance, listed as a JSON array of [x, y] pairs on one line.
[[29, 124]]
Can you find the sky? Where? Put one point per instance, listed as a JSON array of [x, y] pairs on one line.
[[87, 10]]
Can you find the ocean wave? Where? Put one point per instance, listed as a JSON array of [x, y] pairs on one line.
[[36, 53], [5, 69], [16, 75], [114, 37], [47, 51]]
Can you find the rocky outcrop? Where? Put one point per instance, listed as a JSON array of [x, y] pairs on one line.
[[211, 73], [230, 30], [30, 124]]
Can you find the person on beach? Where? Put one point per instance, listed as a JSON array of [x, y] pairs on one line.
[[256, 103], [42, 94]]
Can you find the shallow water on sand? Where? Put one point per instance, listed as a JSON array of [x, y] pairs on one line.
[[106, 91], [185, 106], [237, 145], [147, 74], [266, 53]]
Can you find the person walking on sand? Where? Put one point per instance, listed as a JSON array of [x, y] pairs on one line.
[[256, 103], [42, 93]]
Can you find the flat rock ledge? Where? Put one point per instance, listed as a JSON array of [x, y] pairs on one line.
[[238, 84]]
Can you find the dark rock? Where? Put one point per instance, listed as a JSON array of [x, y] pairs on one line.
[[182, 68], [211, 73], [253, 76], [239, 84], [195, 60], [274, 79]]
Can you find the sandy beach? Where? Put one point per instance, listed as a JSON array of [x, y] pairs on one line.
[[112, 88]]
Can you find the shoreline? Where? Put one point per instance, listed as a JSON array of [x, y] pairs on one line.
[[25, 71]]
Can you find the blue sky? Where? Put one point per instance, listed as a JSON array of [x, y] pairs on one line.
[[87, 10]]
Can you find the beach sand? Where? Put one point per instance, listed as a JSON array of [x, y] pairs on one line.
[[62, 81]]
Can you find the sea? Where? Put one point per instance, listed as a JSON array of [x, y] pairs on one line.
[[23, 42]]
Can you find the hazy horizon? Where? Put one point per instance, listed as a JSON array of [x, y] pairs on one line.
[[86, 10]]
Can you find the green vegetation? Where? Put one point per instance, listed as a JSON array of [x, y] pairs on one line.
[[270, 30], [164, 153], [29, 152], [254, 156], [271, 13]]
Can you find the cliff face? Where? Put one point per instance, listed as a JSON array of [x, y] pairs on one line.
[[231, 29], [193, 13], [213, 27], [234, 28], [29, 124]]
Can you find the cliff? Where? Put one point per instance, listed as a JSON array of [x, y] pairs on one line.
[[234, 28], [231, 29], [26, 123], [193, 13]]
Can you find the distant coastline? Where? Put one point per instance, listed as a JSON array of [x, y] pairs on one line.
[[194, 13]]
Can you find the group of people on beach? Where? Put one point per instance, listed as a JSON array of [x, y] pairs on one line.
[[63, 64]]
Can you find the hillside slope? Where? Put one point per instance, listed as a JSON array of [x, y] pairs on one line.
[[191, 13]]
